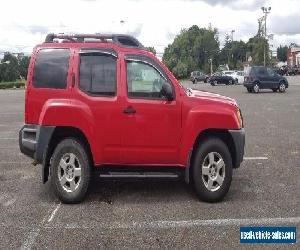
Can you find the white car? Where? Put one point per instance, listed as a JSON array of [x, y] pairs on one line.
[[238, 76]]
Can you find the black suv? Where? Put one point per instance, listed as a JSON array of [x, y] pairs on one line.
[[198, 76], [259, 77]]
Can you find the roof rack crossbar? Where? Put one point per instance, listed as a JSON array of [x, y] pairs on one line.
[[120, 39]]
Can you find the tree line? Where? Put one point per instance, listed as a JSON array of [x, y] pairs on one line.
[[13, 68], [196, 48]]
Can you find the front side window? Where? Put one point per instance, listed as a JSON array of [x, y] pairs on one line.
[[97, 74], [270, 72], [143, 80], [51, 68]]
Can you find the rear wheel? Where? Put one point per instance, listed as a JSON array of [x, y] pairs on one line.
[[255, 88], [70, 171], [249, 89], [274, 90], [282, 87], [212, 170]]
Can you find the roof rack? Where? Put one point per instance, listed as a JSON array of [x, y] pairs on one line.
[[119, 39]]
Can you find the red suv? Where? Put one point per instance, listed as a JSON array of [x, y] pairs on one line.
[[104, 102]]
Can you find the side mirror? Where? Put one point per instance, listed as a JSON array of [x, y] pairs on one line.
[[167, 91]]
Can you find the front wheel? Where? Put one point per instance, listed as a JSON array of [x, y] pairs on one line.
[[282, 87], [212, 170], [255, 88], [70, 171]]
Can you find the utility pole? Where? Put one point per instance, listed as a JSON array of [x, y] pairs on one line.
[[210, 66], [266, 11], [232, 31]]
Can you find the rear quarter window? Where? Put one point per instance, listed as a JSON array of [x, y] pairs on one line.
[[51, 68]]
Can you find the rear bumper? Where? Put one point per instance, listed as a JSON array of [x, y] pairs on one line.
[[34, 140], [238, 137], [248, 84]]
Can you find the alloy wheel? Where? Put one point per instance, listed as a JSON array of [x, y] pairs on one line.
[[213, 171]]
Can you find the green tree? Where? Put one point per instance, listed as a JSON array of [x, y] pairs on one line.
[[9, 72], [191, 50], [23, 66], [282, 53], [233, 53], [151, 49], [257, 46]]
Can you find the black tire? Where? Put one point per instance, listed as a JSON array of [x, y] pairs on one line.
[[281, 87], [67, 148], [249, 89], [236, 81], [274, 90], [255, 88], [215, 146]]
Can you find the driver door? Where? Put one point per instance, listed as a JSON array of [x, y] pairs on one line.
[[151, 124]]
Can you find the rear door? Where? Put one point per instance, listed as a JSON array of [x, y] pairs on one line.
[[263, 77], [152, 124], [98, 76]]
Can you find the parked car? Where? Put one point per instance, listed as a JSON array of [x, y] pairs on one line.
[[198, 76], [220, 78], [288, 70], [238, 76], [111, 105], [259, 77]]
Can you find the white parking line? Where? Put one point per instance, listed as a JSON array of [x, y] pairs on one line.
[[27, 244], [186, 223], [256, 158], [9, 138], [54, 212], [34, 232]]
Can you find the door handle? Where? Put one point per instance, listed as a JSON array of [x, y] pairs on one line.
[[129, 110]]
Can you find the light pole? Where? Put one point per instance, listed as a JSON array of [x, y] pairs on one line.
[[266, 11], [210, 65], [232, 31]]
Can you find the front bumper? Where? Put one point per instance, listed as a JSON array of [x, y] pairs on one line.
[[238, 137]]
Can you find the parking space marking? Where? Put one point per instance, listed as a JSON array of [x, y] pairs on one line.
[[27, 244], [186, 223], [14, 162], [35, 231], [54, 212], [9, 138], [256, 158]]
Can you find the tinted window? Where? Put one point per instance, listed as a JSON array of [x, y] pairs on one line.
[[270, 72], [261, 71], [98, 74], [143, 80], [51, 68]]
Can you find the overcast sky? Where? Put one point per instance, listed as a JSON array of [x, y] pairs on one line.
[[23, 24]]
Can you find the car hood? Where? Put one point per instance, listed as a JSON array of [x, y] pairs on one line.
[[212, 96]]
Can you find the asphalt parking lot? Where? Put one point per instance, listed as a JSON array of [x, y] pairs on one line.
[[158, 214]]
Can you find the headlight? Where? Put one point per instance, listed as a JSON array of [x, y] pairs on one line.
[[240, 118]]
